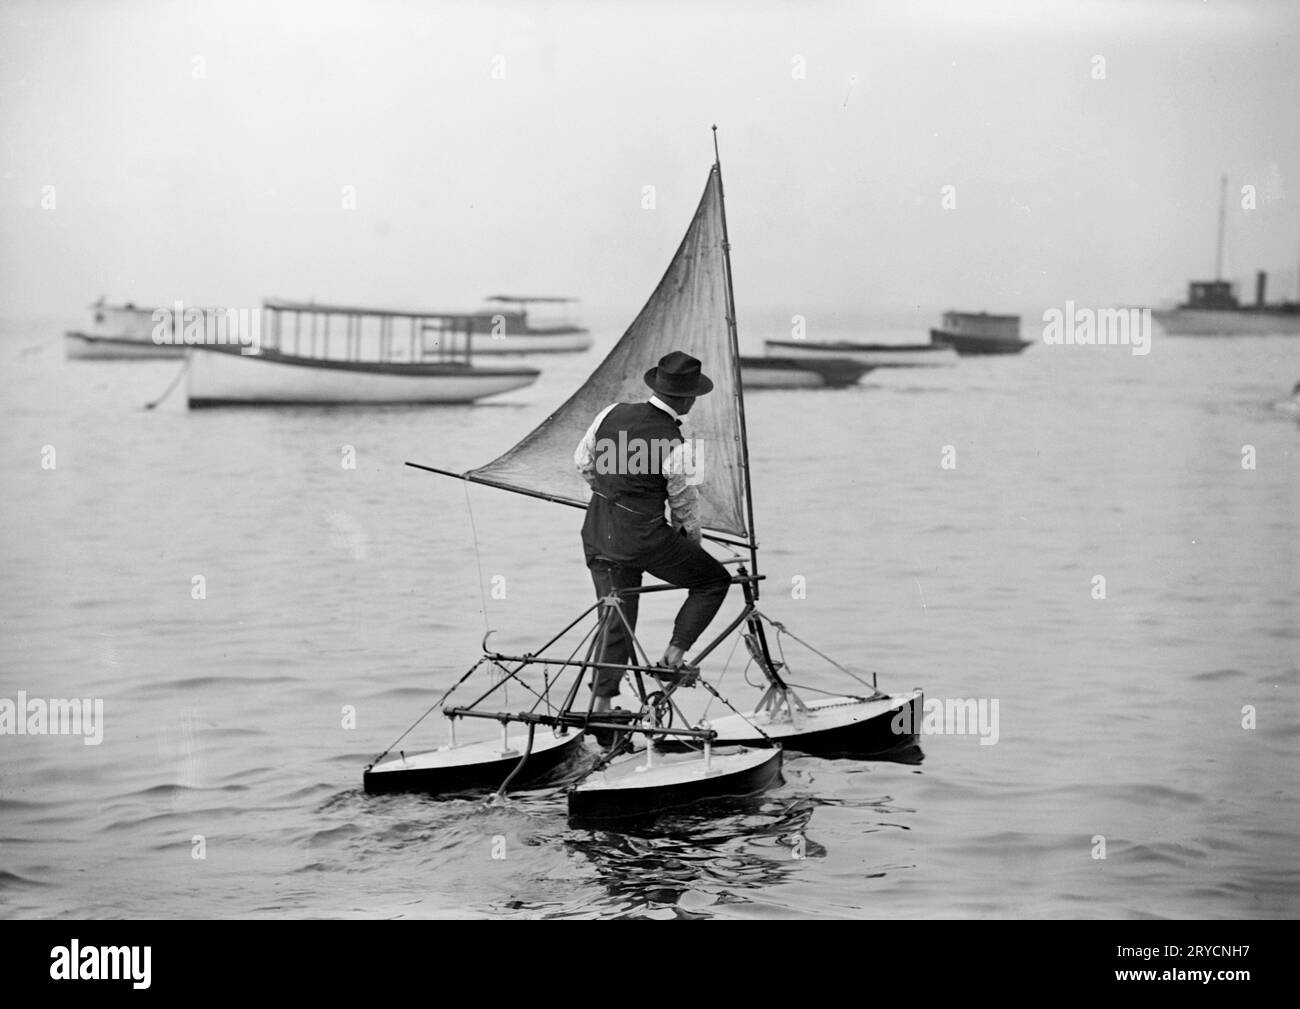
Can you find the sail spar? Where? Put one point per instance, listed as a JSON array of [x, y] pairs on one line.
[[687, 311]]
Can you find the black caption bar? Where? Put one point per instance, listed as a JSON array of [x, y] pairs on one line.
[[341, 959]]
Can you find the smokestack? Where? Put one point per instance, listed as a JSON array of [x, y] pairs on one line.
[[1261, 279]]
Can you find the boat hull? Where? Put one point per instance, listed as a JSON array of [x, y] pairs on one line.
[[967, 345], [628, 790], [800, 373], [874, 355], [225, 377], [832, 727], [475, 767], [91, 347], [1210, 322]]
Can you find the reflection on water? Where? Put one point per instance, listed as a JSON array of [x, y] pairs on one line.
[[715, 851]]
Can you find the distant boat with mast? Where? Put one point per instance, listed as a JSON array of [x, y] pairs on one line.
[[1213, 309]]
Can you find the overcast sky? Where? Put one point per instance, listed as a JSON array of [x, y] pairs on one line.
[[200, 150]]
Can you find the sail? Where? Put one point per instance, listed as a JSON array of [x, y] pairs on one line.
[[688, 311]]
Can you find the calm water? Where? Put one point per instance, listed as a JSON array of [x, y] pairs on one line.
[[328, 587]]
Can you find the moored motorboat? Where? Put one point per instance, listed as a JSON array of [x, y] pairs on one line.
[[970, 333], [117, 332], [800, 373], [1213, 309], [506, 328], [875, 355]]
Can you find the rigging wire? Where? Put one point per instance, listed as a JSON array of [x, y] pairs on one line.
[[506, 676], [478, 560], [818, 690], [546, 679], [727, 665], [429, 711], [782, 629]]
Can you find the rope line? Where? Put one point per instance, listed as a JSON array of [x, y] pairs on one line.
[[172, 385], [478, 561], [429, 711], [726, 666], [782, 629]]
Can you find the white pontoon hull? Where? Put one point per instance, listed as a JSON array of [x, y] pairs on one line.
[[477, 766], [831, 725], [648, 783]]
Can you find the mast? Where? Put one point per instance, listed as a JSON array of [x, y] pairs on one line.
[[735, 365], [1223, 204]]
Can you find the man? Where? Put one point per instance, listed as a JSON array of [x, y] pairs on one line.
[[636, 461]]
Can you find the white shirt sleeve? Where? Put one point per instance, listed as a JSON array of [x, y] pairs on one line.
[[584, 456], [681, 471]]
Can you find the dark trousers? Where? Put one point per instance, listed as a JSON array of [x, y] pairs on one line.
[[675, 560]]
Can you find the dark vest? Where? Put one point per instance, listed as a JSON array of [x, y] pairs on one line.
[[626, 513]]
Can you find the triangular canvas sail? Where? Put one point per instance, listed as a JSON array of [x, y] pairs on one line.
[[688, 311]]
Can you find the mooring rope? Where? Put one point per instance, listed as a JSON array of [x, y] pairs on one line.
[[168, 391]]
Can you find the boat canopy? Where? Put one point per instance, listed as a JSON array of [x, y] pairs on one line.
[[516, 299], [317, 308], [688, 312]]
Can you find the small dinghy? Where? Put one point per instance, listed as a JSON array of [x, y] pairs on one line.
[[476, 767], [647, 784]]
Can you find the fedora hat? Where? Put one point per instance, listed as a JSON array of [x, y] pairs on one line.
[[678, 374]]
